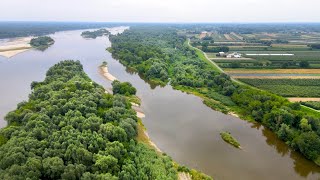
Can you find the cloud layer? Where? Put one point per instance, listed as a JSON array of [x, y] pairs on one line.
[[161, 10]]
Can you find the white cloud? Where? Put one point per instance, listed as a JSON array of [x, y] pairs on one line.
[[161, 10]]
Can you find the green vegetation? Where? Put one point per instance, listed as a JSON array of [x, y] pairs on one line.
[[312, 104], [159, 53], [95, 34], [124, 88], [42, 43], [288, 87], [195, 175], [226, 136], [70, 129], [315, 46]]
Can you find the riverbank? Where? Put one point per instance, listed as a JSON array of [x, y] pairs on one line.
[[184, 173], [105, 72], [16, 46]]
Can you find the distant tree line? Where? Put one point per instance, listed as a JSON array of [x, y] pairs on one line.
[[24, 29], [95, 34]]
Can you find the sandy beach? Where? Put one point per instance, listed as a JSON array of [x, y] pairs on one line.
[[106, 74], [15, 46]]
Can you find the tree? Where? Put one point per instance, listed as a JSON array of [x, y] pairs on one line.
[[124, 88], [106, 163], [304, 64], [53, 167], [309, 144], [304, 125]]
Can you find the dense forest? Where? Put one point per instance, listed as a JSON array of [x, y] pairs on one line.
[[95, 34], [161, 55], [42, 42], [71, 129]]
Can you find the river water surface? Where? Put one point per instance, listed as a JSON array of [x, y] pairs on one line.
[[180, 124]]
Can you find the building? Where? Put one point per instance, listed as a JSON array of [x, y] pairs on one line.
[[221, 54], [234, 55]]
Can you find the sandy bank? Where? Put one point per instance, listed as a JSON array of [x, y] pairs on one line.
[[233, 114], [184, 176], [152, 143], [106, 74], [13, 47]]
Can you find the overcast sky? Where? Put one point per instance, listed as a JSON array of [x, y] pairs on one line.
[[161, 10]]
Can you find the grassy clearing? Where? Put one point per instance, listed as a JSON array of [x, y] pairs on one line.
[[312, 104], [211, 55], [226, 136]]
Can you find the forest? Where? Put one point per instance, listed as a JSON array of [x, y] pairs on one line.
[[71, 129], [162, 55], [42, 42], [95, 34]]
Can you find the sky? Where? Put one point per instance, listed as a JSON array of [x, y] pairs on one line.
[[214, 11]]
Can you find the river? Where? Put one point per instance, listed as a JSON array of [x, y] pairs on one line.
[[179, 123]]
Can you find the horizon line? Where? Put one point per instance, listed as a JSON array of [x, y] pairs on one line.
[[150, 22]]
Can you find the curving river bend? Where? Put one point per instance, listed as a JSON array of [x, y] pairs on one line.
[[180, 124]]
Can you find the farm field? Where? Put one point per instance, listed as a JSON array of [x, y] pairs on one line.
[[288, 87], [312, 104], [273, 76], [285, 63], [273, 71]]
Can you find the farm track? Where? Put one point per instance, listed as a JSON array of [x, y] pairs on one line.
[[217, 67]]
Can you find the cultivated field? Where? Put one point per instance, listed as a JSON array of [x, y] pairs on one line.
[[288, 87]]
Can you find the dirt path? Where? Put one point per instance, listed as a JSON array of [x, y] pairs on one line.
[[301, 99], [218, 67]]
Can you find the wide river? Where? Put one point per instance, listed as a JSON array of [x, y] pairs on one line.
[[179, 123]]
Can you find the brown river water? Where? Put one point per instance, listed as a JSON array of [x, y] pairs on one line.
[[179, 123]]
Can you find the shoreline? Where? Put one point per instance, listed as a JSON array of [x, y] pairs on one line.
[[145, 136], [15, 46], [105, 73]]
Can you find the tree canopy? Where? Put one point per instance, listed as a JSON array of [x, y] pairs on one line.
[[124, 88], [71, 129], [42, 42]]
